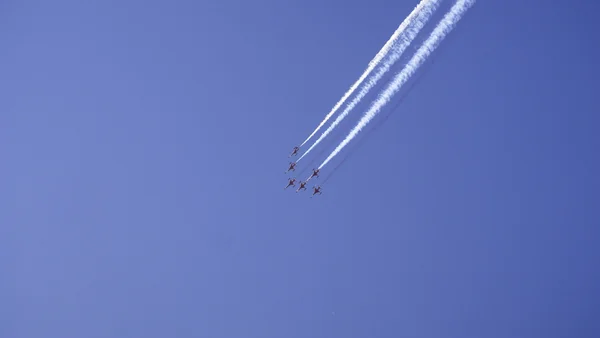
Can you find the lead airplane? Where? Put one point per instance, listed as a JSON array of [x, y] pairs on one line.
[[294, 152], [292, 182]]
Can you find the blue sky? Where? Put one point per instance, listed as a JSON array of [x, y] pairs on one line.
[[144, 144]]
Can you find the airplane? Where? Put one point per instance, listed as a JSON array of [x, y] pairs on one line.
[[292, 167], [292, 183], [294, 152], [317, 190], [302, 186], [315, 173]]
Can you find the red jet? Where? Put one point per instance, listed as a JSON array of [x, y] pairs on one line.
[[315, 173], [317, 190], [294, 152], [292, 183], [302, 186], [292, 167]]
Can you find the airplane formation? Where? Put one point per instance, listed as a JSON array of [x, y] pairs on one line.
[[292, 181], [386, 57]]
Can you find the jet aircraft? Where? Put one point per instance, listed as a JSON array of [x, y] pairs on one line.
[[294, 152], [292, 182], [315, 173], [317, 190], [302, 186], [292, 167]]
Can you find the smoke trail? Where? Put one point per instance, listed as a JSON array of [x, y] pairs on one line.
[[439, 33], [380, 122], [411, 33], [372, 64]]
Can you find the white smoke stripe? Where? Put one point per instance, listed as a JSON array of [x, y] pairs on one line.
[[372, 64], [410, 34], [439, 33]]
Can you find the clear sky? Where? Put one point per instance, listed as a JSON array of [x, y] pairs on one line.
[[143, 147]]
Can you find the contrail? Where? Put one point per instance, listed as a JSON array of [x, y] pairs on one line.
[[420, 20], [384, 50], [439, 33]]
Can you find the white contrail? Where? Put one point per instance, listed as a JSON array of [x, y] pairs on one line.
[[439, 33], [407, 38], [384, 50]]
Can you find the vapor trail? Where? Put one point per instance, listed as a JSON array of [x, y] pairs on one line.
[[439, 33], [409, 35], [372, 64]]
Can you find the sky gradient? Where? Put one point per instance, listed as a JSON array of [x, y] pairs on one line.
[[144, 145]]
